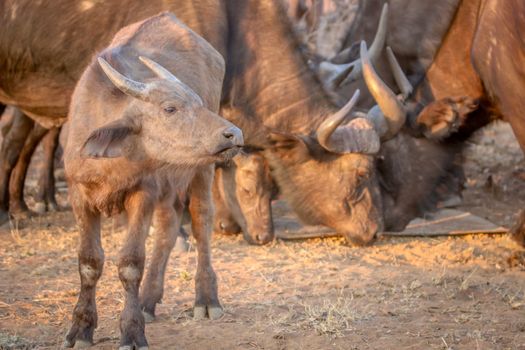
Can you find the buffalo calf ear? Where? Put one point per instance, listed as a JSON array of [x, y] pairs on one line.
[[108, 140]]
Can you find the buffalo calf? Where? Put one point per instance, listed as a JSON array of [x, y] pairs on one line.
[[144, 132]]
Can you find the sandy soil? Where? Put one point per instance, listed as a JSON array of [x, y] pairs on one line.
[[400, 293], [413, 293]]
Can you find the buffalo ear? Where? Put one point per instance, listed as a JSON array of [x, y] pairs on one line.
[[108, 140]]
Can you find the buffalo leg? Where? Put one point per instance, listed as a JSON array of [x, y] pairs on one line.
[[12, 145], [201, 211], [139, 208], [17, 206], [45, 196], [167, 219], [90, 264]]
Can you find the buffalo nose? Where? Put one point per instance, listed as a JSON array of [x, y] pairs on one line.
[[234, 135]]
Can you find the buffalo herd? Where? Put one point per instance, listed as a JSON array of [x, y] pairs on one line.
[[154, 95]]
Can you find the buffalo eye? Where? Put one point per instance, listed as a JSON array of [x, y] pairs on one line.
[[170, 110]]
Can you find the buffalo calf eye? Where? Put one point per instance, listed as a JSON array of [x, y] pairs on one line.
[[170, 110]]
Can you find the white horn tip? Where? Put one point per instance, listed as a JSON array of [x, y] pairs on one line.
[[356, 95], [363, 49], [102, 61]]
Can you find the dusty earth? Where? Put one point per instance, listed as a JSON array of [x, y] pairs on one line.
[[410, 293], [401, 293]]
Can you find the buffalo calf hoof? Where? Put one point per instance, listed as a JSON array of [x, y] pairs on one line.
[[129, 347], [215, 312], [148, 317], [200, 312], [182, 245]]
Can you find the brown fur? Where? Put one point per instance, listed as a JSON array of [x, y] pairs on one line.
[[131, 153]]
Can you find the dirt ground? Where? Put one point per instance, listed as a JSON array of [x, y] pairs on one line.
[[409, 293], [401, 293]]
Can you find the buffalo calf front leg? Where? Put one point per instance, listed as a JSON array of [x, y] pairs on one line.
[[201, 211], [139, 208], [90, 264]]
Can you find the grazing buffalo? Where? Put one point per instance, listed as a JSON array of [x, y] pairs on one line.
[[466, 58], [243, 199], [143, 133]]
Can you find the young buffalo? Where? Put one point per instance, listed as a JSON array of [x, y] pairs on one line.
[[142, 135]]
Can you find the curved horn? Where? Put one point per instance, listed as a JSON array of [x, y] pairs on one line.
[[126, 85], [159, 70], [393, 111], [337, 74], [358, 136], [377, 44], [325, 130], [400, 77], [163, 73]]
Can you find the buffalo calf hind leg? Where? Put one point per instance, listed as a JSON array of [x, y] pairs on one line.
[[201, 211], [45, 196], [131, 267], [166, 219], [90, 264]]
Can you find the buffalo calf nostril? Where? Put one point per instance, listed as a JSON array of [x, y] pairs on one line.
[[228, 135]]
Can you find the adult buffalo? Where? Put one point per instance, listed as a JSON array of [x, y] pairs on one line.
[[466, 58]]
